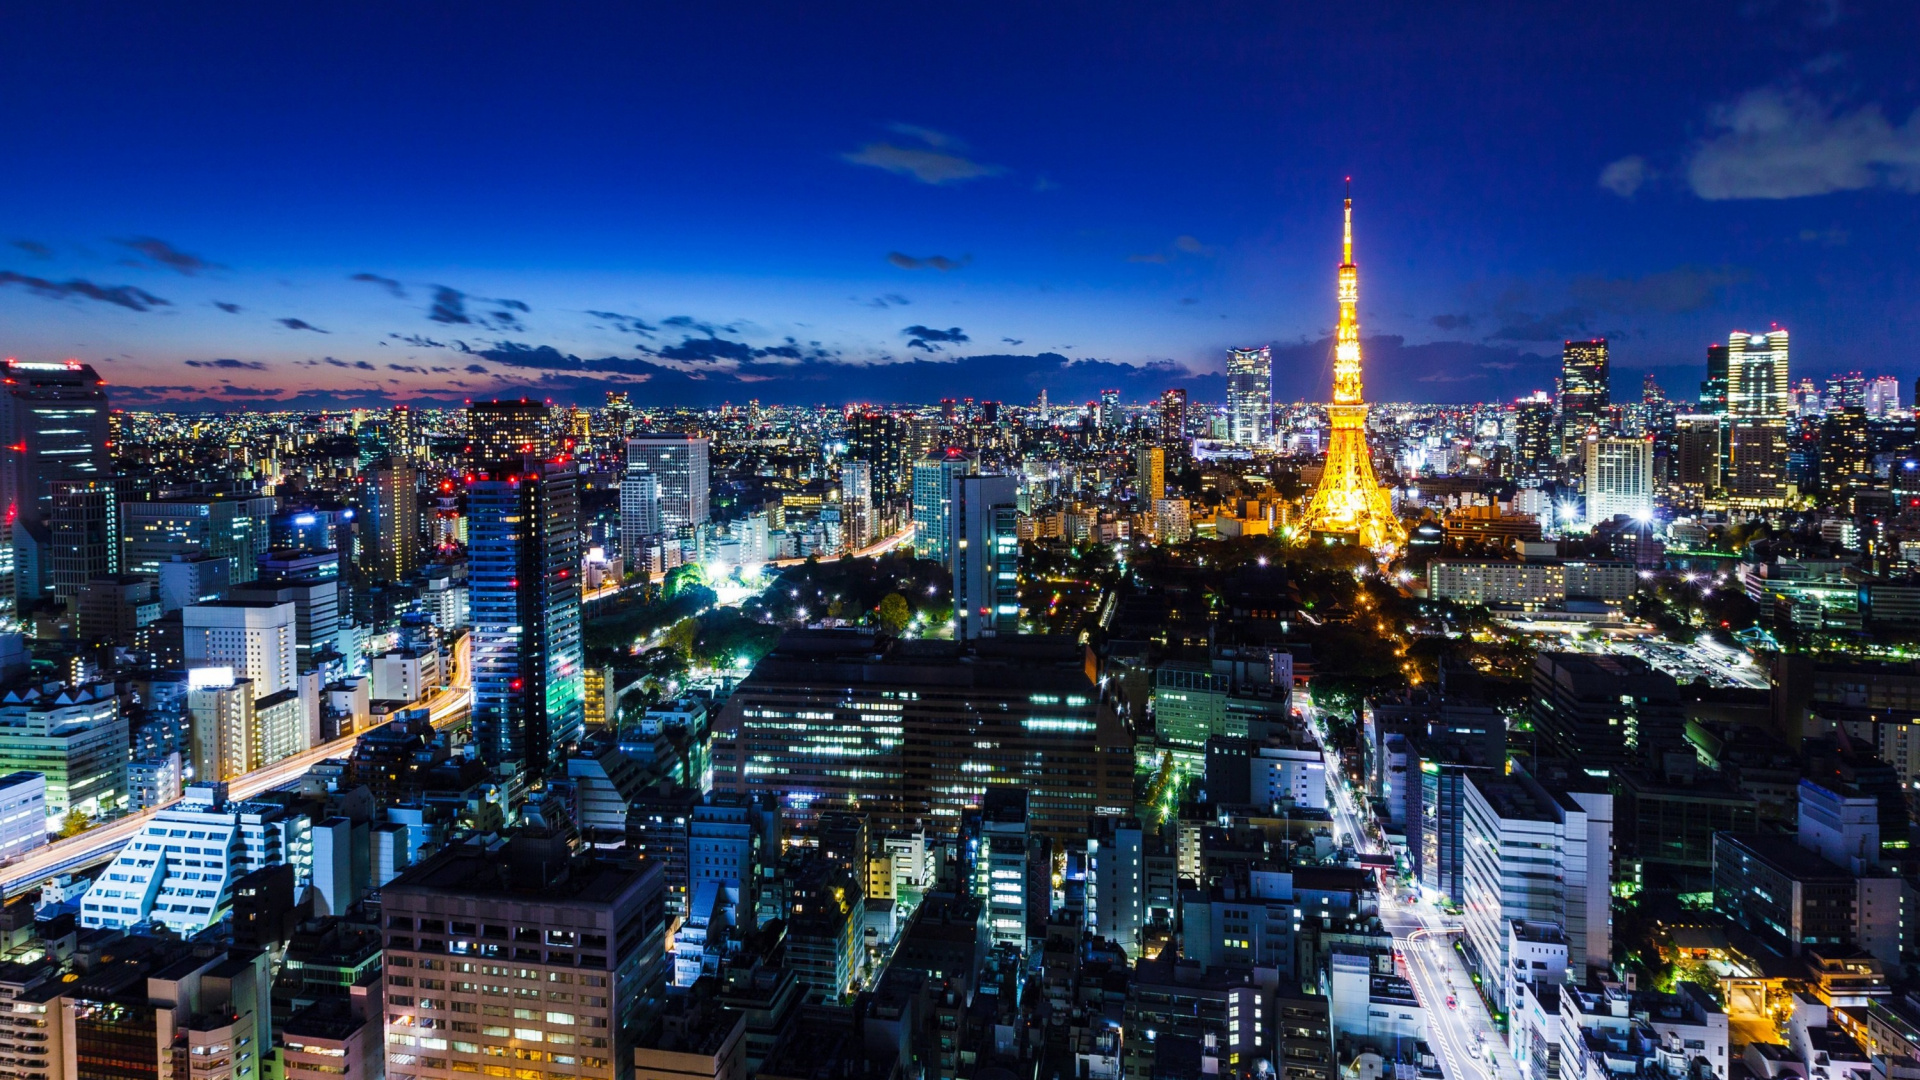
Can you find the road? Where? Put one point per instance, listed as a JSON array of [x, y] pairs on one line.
[[1425, 937], [878, 547], [445, 705]]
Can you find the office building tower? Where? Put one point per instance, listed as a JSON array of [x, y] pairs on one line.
[[1846, 452], [523, 552], [1000, 851], [1437, 832], [1794, 900], [23, 814], [1250, 397], [856, 504], [85, 534], [1605, 712], [1536, 854], [395, 505], [983, 554], [74, 736], [1619, 479], [933, 478], [1584, 398], [678, 463], [588, 935], [1533, 439], [148, 1007], [180, 869], [1757, 374], [1698, 452], [640, 525], [1024, 708], [403, 436], [503, 434], [234, 730], [1847, 391], [54, 425], [880, 439], [255, 639], [1173, 419], [1755, 476], [1150, 476], [1883, 396], [115, 608], [1116, 882], [1713, 391], [619, 414], [233, 529]]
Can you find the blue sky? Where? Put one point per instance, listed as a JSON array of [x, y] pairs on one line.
[[723, 202]]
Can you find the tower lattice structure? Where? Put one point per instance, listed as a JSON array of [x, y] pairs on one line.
[[1350, 500]]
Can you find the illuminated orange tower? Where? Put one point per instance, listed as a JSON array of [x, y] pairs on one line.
[[1350, 501]]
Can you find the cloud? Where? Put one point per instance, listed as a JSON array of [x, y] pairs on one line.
[[889, 300], [161, 253], [627, 324], [231, 309], [1190, 246], [931, 262], [231, 365], [1447, 377], [1834, 237], [1013, 341], [408, 368], [1560, 325], [929, 339], [418, 341], [936, 162], [1785, 144], [516, 305], [300, 324], [386, 283], [449, 306], [357, 365], [476, 369], [1452, 322], [1673, 292], [34, 248], [1189, 300], [126, 296], [688, 322], [1626, 176], [1151, 257], [248, 391]]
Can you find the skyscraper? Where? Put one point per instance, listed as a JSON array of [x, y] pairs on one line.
[[1250, 397], [523, 550], [501, 434], [54, 426], [880, 439], [1583, 391], [983, 554], [1698, 453], [1173, 419], [933, 478], [1349, 500], [678, 462], [1150, 476], [86, 534], [1846, 452], [395, 505], [856, 503], [640, 523], [1713, 392], [257, 639], [1619, 479], [1533, 438], [1757, 374]]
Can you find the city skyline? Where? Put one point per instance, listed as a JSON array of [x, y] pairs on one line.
[[974, 225]]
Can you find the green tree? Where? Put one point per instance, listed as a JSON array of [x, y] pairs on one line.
[[683, 577], [893, 613], [75, 823], [682, 637]]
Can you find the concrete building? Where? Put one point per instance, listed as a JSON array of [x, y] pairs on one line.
[[23, 814], [1607, 712], [256, 639], [76, 737]]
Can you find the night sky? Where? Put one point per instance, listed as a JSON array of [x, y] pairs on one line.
[[900, 202]]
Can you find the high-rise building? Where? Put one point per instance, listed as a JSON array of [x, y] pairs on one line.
[[1846, 452], [880, 439], [233, 529], [1883, 396], [1755, 475], [1605, 712], [85, 529], [1533, 438], [1713, 391], [523, 552], [569, 928], [54, 425], [856, 504], [503, 434], [1619, 479], [640, 523], [1698, 451], [678, 463], [983, 553], [1250, 397], [1173, 419], [394, 487], [933, 478], [403, 437], [1349, 501], [1536, 855], [1019, 710], [1757, 374], [74, 736], [1150, 475], [619, 414], [1584, 381], [1109, 415], [256, 639]]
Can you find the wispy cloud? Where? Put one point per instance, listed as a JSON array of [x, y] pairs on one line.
[[930, 339], [1625, 176], [938, 160], [229, 364], [300, 324], [930, 262], [126, 296], [1776, 143], [231, 309], [386, 283], [34, 248], [161, 253]]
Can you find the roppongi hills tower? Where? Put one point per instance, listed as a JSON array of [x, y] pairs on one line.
[[1350, 500]]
